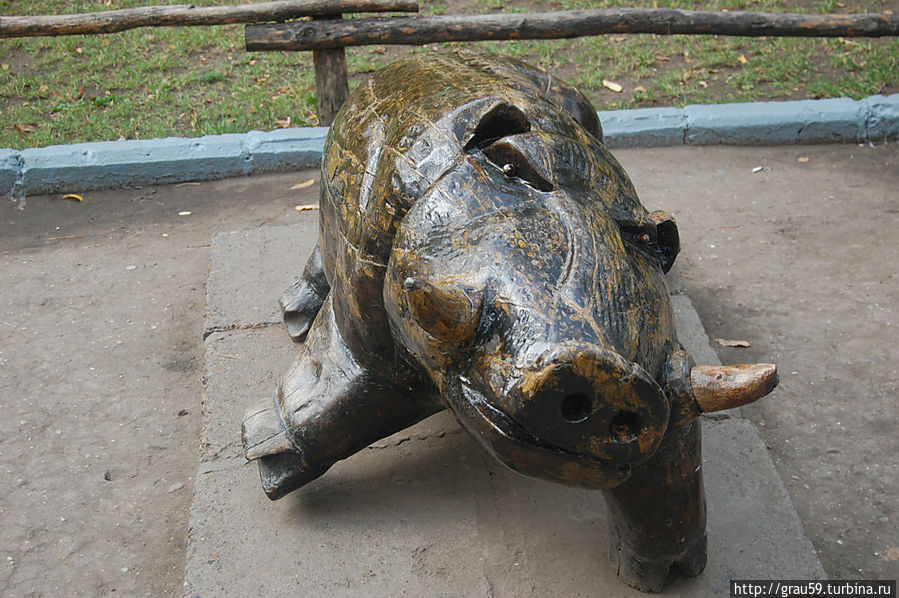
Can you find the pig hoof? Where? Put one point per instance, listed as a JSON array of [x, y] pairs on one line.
[[282, 468], [654, 574], [646, 575], [300, 304], [692, 563]]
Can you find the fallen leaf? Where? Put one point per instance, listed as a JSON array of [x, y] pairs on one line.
[[703, 84], [742, 59], [73, 197], [252, 61], [663, 58], [4, 66], [617, 38], [42, 89], [305, 207], [79, 50], [65, 237], [379, 49], [24, 130], [888, 12], [891, 554], [80, 94], [611, 85], [303, 184], [640, 89], [283, 123], [731, 343], [802, 159]]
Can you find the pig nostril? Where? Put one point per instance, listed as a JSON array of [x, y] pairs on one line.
[[576, 407], [624, 427]]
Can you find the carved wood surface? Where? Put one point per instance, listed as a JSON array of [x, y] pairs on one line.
[[562, 24], [481, 250], [112, 21]]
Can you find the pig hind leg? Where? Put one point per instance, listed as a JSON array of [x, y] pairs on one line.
[[302, 300]]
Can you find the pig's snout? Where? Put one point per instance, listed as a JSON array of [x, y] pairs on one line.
[[590, 401]]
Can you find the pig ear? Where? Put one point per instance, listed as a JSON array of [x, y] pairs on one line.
[[499, 121], [668, 238]]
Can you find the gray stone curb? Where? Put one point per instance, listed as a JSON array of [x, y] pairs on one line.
[[113, 164], [874, 119]]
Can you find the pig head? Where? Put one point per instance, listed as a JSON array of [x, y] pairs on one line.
[[534, 298]]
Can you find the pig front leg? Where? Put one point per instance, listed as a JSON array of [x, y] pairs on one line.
[[329, 407], [302, 300], [657, 517]]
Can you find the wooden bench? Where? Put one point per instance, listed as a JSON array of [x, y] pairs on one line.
[[327, 38], [327, 34]]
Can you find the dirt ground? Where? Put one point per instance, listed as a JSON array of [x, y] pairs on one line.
[[101, 380], [101, 363]]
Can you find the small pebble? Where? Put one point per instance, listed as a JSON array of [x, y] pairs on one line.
[[176, 486], [130, 268]]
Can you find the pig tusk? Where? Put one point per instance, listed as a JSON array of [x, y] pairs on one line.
[[716, 388]]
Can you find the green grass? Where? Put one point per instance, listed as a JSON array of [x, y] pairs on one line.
[[195, 81]]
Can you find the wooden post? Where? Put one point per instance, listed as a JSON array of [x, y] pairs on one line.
[[331, 86]]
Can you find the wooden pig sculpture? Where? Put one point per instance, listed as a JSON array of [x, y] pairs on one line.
[[481, 250]]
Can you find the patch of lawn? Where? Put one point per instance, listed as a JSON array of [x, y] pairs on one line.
[[198, 80]]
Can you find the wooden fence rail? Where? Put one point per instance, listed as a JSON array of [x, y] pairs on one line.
[[112, 21], [328, 37], [315, 35]]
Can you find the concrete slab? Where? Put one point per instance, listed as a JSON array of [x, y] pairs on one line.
[[426, 511], [243, 263]]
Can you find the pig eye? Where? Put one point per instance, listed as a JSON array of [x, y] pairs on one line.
[[513, 164], [639, 236], [659, 240]]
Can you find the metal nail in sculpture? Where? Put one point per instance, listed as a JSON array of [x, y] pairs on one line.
[[481, 250]]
